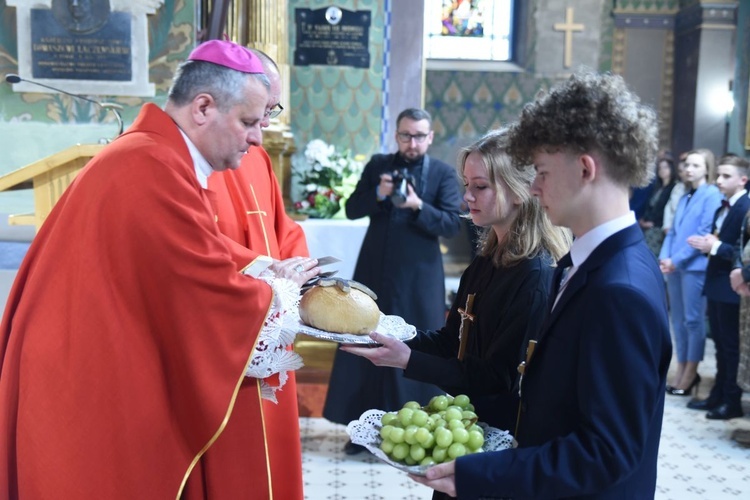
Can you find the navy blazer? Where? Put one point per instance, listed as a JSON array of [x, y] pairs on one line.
[[717, 286], [593, 392]]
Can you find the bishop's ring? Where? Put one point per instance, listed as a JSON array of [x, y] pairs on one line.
[[298, 268]]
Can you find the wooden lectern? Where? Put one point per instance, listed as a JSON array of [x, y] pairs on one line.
[[49, 177]]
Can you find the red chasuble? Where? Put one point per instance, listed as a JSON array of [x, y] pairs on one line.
[[250, 212], [126, 336]]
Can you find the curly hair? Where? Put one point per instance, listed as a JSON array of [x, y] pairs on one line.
[[591, 113], [532, 232]]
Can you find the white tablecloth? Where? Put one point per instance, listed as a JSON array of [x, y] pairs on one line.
[[339, 238]]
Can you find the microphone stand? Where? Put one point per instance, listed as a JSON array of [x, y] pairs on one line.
[[106, 106]]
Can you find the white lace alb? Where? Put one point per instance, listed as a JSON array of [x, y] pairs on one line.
[[271, 354]]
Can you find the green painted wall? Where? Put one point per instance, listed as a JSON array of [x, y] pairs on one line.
[[338, 104], [648, 5]]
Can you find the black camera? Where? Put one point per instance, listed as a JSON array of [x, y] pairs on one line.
[[401, 179]]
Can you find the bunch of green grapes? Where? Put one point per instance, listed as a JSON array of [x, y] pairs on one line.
[[443, 430]]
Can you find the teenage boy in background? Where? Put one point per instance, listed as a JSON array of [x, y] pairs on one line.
[[724, 400]]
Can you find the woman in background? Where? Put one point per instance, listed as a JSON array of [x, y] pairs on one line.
[[503, 295], [685, 268], [653, 215], [674, 197]]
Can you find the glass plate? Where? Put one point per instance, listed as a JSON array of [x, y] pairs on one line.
[[366, 432], [395, 326]]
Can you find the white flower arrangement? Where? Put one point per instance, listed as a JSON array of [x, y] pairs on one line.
[[323, 178]]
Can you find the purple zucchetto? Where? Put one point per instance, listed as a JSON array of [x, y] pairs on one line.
[[227, 54]]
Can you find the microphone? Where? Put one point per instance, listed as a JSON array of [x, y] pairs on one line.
[[107, 106]]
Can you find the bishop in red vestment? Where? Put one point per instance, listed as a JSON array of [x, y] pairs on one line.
[[128, 332]]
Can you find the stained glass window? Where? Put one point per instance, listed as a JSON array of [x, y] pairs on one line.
[[479, 30]]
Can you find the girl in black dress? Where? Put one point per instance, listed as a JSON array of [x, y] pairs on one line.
[[508, 282]]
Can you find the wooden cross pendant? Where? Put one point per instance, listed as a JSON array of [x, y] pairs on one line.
[[466, 319]]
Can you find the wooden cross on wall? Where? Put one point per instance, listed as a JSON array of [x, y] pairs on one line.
[[568, 27]]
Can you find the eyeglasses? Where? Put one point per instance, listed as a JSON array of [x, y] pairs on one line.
[[274, 111], [404, 137]]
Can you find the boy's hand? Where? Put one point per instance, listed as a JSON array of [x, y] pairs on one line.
[[702, 243]]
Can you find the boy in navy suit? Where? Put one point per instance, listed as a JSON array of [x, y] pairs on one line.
[[592, 384], [724, 400]]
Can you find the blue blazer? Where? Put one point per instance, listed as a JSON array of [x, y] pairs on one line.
[[694, 217], [593, 392], [717, 286]]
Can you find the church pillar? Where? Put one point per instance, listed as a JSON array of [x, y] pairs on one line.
[[404, 66], [263, 25], [704, 51], [643, 54]]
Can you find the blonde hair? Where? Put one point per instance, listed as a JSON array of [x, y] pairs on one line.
[[531, 233]]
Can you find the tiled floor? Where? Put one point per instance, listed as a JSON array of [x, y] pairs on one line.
[[331, 475], [697, 459]]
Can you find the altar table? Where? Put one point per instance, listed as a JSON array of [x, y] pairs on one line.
[[341, 238]]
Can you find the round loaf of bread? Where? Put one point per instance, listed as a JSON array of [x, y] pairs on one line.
[[333, 310]]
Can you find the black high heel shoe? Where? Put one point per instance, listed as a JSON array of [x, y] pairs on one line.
[[686, 392]]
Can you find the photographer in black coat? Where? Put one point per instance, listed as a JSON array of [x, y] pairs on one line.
[[400, 261]]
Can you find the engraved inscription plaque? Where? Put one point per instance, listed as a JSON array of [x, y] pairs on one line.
[[332, 37], [59, 52]]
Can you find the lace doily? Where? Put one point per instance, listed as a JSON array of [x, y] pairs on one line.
[[394, 326], [366, 432], [271, 355]]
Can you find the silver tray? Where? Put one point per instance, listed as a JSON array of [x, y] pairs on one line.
[[393, 326], [366, 432]]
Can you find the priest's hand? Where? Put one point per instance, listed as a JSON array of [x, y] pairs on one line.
[[296, 269], [440, 477], [392, 352]]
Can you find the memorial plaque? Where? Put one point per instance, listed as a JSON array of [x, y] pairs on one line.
[[332, 37], [96, 49], [89, 47]]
